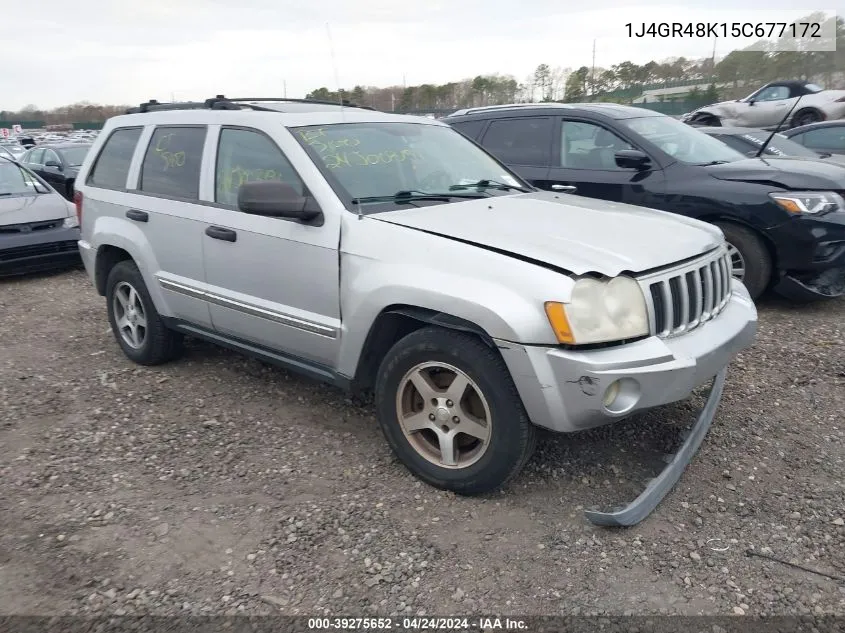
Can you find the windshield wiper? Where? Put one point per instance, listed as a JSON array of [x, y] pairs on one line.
[[410, 196], [488, 184], [714, 162]]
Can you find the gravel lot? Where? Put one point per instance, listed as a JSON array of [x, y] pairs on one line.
[[219, 485]]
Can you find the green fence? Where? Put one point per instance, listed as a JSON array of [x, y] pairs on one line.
[[89, 125], [27, 125]]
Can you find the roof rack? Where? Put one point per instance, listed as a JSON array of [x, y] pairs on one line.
[[224, 103]]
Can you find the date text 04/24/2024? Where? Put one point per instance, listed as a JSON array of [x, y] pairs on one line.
[[794, 30]]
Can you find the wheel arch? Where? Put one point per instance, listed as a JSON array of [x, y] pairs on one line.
[[108, 256], [767, 242], [397, 321]]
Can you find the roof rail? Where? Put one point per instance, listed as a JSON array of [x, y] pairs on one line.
[[507, 106], [221, 102]]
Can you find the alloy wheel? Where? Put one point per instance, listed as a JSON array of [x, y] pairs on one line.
[[737, 262], [444, 415], [129, 315]]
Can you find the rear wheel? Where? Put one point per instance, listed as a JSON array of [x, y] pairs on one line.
[[751, 262], [136, 324], [806, 117], [449, 410]]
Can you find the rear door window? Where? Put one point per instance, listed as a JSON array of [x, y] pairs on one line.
[[173, 161], [524, 141], [111, 168]]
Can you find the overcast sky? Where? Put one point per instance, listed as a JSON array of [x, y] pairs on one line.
[[56, 52]]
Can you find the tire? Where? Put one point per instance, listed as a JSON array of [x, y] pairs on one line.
[[806, 117], [155, 343], [480, 467], [746, 244]]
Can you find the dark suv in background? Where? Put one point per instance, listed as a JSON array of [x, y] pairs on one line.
[[784, 218]]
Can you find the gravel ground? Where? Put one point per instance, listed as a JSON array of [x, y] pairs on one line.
[[219, 485]]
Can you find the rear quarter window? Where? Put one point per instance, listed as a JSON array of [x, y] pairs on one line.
[[111, 168], [471, 129]]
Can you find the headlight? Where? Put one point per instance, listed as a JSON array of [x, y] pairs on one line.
[[70, 222], [812, 202], [599, 312]]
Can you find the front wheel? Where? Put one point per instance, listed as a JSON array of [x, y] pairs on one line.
[[450, 411], [751, 262], [706, 120]]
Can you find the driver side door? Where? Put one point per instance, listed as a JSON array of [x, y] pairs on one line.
[[770, 106], [584, 158]]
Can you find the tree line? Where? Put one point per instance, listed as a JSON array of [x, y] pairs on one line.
[[620, 82], [728, 77]]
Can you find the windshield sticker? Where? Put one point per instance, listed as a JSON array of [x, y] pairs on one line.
[[341, 152]]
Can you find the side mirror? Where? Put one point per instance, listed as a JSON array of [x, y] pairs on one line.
[[276, 199], [52, 163], [632, 159]]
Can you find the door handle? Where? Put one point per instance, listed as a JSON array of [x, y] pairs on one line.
[[567, 188], [219, 233], [138, 216]]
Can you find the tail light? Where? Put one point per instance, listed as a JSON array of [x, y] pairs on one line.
[[77, 201]]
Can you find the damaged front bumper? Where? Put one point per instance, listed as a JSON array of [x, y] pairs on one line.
[[829, 284], [647, 501], [570, 390]]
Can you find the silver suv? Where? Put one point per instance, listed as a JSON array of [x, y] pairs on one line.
[[390, 255]]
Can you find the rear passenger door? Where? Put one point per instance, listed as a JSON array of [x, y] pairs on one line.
[[271, 281], [163, 208], [524, 144]]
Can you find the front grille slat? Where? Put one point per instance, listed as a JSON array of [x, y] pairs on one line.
[[686, 300], [726, 265], [717, 280], [682, 300], [708, 291], [667, 307], [35, 250], [30, 227]]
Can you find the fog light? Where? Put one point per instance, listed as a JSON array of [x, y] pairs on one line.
[[621, 396], [610, 394]]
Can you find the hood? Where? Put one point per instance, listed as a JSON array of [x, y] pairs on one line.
[[568, 232], [787, 172], [33, 208]]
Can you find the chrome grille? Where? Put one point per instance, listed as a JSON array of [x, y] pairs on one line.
[[681, 299]]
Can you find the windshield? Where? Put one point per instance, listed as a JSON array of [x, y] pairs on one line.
[[367, 160], [779, 145], [813, 88], [682, 142], [16, 181], [74, 156]]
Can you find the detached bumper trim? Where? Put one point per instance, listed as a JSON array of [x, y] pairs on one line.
[[660, 486]]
